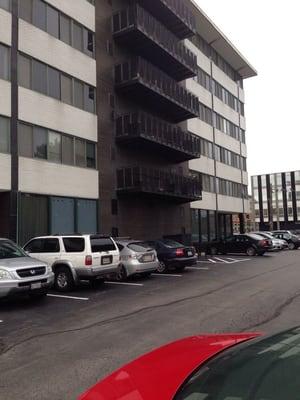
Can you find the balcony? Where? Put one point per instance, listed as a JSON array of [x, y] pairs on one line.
[[134, 27], [145, 132], [174, 14], [158, 184], [156, 90]]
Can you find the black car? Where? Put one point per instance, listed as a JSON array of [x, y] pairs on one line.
[[250, 244], [173, 255], [292, 240]]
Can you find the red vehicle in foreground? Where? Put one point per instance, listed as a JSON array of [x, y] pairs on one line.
[[214, 367]]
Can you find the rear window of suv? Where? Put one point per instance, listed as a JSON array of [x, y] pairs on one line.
[[74, 245], [99, 244]]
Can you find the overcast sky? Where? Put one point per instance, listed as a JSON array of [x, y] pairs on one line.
[[267, 33]]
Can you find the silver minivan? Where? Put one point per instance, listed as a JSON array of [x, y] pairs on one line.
[[21, 274], [136, 257]]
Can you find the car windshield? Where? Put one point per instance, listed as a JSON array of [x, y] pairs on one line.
[[139, 247], [171, 243], [10, 250], [264, 370]]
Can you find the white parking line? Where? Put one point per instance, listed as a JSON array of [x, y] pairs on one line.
[[201, 268], [124, 283], [212, 261], [172, 275], [68, 297], [222, 260], [1, 321]]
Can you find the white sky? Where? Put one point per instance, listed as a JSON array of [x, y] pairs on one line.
[[267, 33]]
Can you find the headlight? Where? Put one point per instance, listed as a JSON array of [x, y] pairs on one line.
[[49, 269], [4, 275]]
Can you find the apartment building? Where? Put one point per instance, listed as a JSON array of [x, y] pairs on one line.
[[48, 122], [276, 198]]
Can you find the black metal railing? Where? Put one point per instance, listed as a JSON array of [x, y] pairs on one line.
[[175, 14], [143, 125], [138, 70], [136, 17], [158, 182]]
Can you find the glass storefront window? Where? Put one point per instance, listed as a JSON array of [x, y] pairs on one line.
[[204, 226], [195, 226], [212, 225]]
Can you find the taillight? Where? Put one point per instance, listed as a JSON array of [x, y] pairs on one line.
[[179, 252], [263, 242], [88, 260]]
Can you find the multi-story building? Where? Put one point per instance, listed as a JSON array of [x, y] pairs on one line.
[[276, 199], [48, 122], [168, 155]]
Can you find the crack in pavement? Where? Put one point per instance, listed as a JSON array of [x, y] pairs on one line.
[[145, 309]]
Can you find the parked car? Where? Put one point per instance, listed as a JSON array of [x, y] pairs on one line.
[[173, 255], [136, 257], [292, 240], [21, 274], [213, 367], [76, 257], [249, 243], [278, 244]]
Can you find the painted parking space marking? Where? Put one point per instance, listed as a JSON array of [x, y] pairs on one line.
[[68, 297], [212, 261], [124, 283], [199, 268], [1, 321], [222, 260], [171, 275]]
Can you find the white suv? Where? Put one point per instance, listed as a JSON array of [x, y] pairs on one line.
[[76, 257]]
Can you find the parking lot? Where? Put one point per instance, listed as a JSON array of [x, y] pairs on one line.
[[64, 344]]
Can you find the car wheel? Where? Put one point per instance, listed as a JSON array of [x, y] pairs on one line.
[[162, 267], [121, 274], [63, 280], [213, 251], [180, 269], [251, 251], [292, 246]]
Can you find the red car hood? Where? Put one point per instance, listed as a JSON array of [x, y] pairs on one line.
[[159, 374]]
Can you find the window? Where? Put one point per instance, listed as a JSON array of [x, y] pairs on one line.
[[53, 83], [54, 147], [39, 15], [100, 244], [66, 89], [89, 46], [52, 22], [4, 135], [25, 10], [43, 246], [25, 138], [40, 143], [4, 62], [77, 36], [80, 158], [65, 29], [91, 155], [78, 94], [35, 246], [67, 150], [24, 71], [74, 245], [39, 77], [5, 4], [89, 98]]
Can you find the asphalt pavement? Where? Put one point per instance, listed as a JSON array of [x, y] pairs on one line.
[[57, 348]]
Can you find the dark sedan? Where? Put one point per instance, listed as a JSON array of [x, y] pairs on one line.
[[173, 255], [249, 244]]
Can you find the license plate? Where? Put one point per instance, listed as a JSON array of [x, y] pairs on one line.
[[106, 260], [37, 285], [147, 258], [190, 253]]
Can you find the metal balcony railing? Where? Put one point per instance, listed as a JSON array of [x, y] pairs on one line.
[[137, 28], [155, 182], [177, 144], [152, 86], [174, 14]]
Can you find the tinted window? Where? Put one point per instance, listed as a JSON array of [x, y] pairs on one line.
[[171, 243], [24, 71], [5, 4], [4, 135], [53, 83], [91, 155], [66, 89], [52, 22], [40, 143], [67, 150], [25, 10], [88, 41], [50, 246], [39, 77], [35, 246], [39, 17], [10, 250], [100, 244], [120, 246], [65, 29], [78, 94], [89, 98], [54, 147], [77, 36], [74, 245], [80, 153], [25, 133], [4, 62]]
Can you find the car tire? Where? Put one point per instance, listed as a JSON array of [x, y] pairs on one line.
[[180, 269], [251, 252], [121, 274], [162, 268], [63, 280], [213, 251], [292, 246]]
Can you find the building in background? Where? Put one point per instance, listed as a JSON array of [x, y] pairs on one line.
[[277, 200], [48, 121]]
